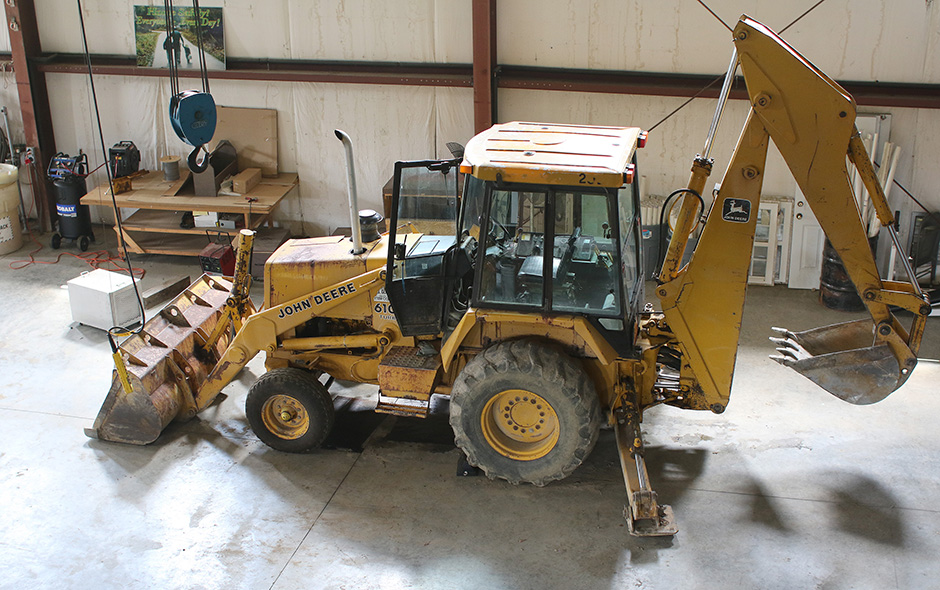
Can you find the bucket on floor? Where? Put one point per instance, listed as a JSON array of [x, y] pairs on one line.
[[11, 234], [836, 290]]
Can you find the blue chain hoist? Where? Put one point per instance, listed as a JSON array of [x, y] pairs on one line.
[[192, 113]]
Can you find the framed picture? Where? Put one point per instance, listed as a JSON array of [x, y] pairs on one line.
[[157, 47]]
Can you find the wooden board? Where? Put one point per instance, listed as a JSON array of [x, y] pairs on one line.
[[253, 132], [149, 193], [178, 184]]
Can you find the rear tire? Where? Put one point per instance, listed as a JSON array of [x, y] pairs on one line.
[[524, 411], [290, 410]]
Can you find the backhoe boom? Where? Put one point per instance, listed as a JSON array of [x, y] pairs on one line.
[[811, 120]]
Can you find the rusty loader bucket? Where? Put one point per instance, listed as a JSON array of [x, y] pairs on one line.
[[167, 361]]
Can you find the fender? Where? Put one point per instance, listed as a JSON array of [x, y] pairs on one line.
[[553, 327]]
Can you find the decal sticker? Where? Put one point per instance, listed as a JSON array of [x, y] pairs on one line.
[[736, 210], [67, 210], [341, 291], [384, 311], [6, 229], [382, 307], [318, 300]]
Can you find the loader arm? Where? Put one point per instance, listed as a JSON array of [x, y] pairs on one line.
[[261, 330], [811, 120]]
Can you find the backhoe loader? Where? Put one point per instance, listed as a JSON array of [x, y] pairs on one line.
[[522, 300]]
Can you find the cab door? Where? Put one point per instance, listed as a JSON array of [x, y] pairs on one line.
[[422, 237]]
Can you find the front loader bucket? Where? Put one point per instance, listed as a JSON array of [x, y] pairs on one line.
[[166, 363], [843, 360]]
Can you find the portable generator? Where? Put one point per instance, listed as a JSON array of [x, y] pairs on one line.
[[68, 173]]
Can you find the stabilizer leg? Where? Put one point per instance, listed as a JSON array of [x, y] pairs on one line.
[[645, 516]]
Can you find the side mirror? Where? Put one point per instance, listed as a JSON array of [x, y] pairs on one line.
[[399, 251]]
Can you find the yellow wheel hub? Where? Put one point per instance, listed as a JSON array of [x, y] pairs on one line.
[[520, 425], [285, 417]]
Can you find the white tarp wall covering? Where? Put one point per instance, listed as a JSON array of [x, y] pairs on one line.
[[9, 97], [848, 39]]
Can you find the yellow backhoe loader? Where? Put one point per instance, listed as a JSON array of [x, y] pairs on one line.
[[522, 298]]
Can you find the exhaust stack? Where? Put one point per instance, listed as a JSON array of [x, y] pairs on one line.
[[353, 198]]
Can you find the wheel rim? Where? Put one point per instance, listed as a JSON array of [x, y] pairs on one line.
[[285, 417], [520, 424]]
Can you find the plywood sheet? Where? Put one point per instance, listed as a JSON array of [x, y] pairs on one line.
[[253, 132]]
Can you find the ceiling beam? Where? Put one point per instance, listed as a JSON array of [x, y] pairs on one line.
[[884, 94]]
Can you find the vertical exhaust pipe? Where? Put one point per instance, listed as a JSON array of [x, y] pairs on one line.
[[353, 198]]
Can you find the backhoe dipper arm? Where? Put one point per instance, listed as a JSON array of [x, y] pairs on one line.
[[811, 120]]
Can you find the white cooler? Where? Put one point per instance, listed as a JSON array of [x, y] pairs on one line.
[[103, 299]]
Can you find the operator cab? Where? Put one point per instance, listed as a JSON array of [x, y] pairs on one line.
[[548, 224]]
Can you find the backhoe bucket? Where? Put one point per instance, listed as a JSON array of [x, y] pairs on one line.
[[166, 364], [843, 360]]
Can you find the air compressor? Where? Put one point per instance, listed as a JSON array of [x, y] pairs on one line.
[[68, 174]]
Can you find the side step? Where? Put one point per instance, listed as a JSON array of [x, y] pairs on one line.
[[407, 378], [398, 406]]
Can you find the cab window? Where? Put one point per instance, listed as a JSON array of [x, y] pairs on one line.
[[586, 279], [550, 249], [514, 252]]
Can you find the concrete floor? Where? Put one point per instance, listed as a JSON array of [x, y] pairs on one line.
[[789, 488]]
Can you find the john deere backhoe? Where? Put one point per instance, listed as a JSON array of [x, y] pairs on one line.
[[521, 298]]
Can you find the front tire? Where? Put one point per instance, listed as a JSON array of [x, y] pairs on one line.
[[290, 410], [524, 411]]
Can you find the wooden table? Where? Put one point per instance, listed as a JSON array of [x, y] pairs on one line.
[[155, 227]]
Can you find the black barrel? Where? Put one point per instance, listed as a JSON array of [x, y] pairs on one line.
[[74, 218], [836, 290]]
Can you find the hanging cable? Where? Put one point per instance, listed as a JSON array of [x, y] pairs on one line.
[[715, 81], [203, 67], [192, 113], [169, 48], [715, 15], [116, 331], [930, 213], [797, 19], [691, 98]]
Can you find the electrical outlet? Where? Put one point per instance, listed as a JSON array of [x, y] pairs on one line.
[[17, 155]]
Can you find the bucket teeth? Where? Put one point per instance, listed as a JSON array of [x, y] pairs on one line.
[[789, 349]]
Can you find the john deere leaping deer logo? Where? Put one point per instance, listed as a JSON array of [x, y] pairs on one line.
[[736, 210]]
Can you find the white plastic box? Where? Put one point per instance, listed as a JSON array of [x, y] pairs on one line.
[[103, 299]]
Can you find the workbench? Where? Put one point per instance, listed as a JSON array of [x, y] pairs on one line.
[[155, 227]]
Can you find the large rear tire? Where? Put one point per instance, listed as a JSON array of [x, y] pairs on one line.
[[290, 410], [524, 411]]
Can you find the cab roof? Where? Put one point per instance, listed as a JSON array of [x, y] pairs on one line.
[[549, 153]]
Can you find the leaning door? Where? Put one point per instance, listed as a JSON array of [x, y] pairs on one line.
[[422, 234]]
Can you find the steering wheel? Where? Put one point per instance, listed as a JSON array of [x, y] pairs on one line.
[[568, 254], [502, 227], [574, 236]]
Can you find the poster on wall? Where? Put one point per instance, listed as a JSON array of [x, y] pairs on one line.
[[156, 48]]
